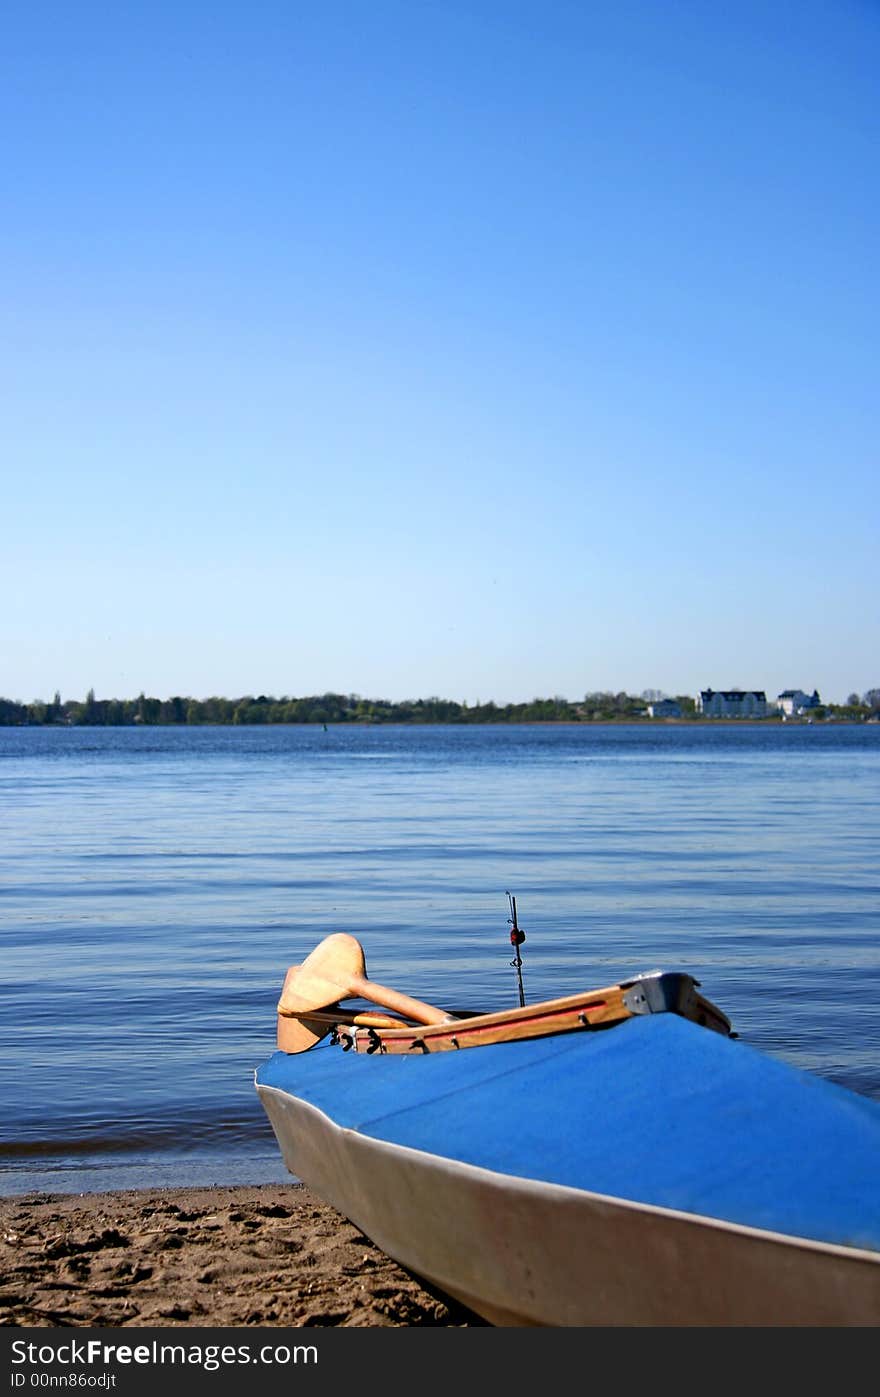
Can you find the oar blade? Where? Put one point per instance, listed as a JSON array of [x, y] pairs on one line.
[[298, 1035], [336, 970], [325, 975]]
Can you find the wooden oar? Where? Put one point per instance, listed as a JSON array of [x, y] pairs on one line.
[[295, 1035], [336, 970]]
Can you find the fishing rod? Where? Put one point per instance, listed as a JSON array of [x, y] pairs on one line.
[[517, 937]]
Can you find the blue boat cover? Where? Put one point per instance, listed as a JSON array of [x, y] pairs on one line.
[[655, 1110]]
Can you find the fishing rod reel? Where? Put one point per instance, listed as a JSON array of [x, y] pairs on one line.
[[517, 937]]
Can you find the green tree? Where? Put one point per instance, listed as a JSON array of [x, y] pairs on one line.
[[173, 710], [148, 710]]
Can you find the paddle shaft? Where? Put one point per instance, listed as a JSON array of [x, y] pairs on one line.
[[299, 1033], [395, 1001]]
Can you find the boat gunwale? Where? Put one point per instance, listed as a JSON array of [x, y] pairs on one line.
[[544, 1015]]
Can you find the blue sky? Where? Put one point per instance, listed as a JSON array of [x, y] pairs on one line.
[[472, 349]]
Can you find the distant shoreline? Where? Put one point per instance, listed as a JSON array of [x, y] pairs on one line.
[[337, 710], [628, 722]]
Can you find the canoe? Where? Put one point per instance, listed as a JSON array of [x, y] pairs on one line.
[[649, 1169]]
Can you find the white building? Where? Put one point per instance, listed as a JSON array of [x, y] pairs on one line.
[[793, 702], [732, 703]]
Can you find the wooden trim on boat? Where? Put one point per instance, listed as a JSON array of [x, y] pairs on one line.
[[589, 1010], [369, 1032]]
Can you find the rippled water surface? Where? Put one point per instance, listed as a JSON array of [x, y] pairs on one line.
[[155, 883]]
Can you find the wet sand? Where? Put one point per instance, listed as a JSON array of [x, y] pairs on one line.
[[208, 1257]]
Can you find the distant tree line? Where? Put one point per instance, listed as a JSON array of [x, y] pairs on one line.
[[351, 708]]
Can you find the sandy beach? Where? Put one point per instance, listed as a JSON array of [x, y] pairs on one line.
[[264, 1256]]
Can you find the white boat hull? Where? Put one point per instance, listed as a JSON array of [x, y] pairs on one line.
[[522, 1252]]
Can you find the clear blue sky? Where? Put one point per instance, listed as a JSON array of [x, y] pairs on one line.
[[481, 349]]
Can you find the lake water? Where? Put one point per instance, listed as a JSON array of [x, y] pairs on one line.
[[156, 883]]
